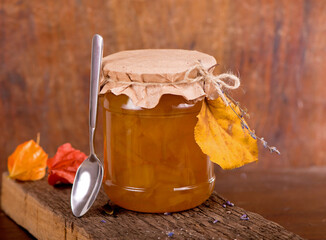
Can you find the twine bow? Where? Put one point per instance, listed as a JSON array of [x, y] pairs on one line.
[[218, 81]]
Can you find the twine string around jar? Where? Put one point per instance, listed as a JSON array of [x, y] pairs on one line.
[[219, 81]]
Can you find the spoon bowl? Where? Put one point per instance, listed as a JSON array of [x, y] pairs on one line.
[[88, 183]]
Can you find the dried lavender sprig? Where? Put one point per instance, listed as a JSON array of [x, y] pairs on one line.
[[230, 204], [216, 221], [244, 112], [251, 132]]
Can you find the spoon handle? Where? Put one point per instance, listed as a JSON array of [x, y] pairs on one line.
[[97, 55]]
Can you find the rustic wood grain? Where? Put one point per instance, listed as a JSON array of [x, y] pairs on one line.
[[45, 212], [294, 198], [278, 48], [275, 194]]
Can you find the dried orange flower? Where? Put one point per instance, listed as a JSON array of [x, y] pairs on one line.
[[63, 166], [27, 162]]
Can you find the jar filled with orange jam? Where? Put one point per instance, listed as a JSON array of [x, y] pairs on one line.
[[152, 162]]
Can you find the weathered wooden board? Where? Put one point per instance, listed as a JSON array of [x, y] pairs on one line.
[[45, 212]]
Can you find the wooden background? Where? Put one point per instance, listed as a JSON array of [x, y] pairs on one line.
[[277, 47]]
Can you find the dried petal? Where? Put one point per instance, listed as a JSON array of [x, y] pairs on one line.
[[244, 217], [63, 166], [27, 162], [229, 204]]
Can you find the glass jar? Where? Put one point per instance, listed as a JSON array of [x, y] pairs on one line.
[[151, 160]]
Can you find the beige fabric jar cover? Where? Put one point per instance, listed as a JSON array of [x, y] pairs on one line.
[[146, 75]]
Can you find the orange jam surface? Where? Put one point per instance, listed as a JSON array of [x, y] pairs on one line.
[[152, 162]]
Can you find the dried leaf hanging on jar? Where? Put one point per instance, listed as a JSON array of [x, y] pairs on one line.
[[63, 166], [221, 135], [27, 162]]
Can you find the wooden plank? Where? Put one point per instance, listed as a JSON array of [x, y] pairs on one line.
[[45, 212]]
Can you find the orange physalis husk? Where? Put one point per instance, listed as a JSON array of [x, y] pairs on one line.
[[63, 166], [27, 162], [220, 135]]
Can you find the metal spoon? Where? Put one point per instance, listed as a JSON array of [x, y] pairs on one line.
[[89, 175]]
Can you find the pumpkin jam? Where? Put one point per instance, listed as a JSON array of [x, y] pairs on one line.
[[151, 160]]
